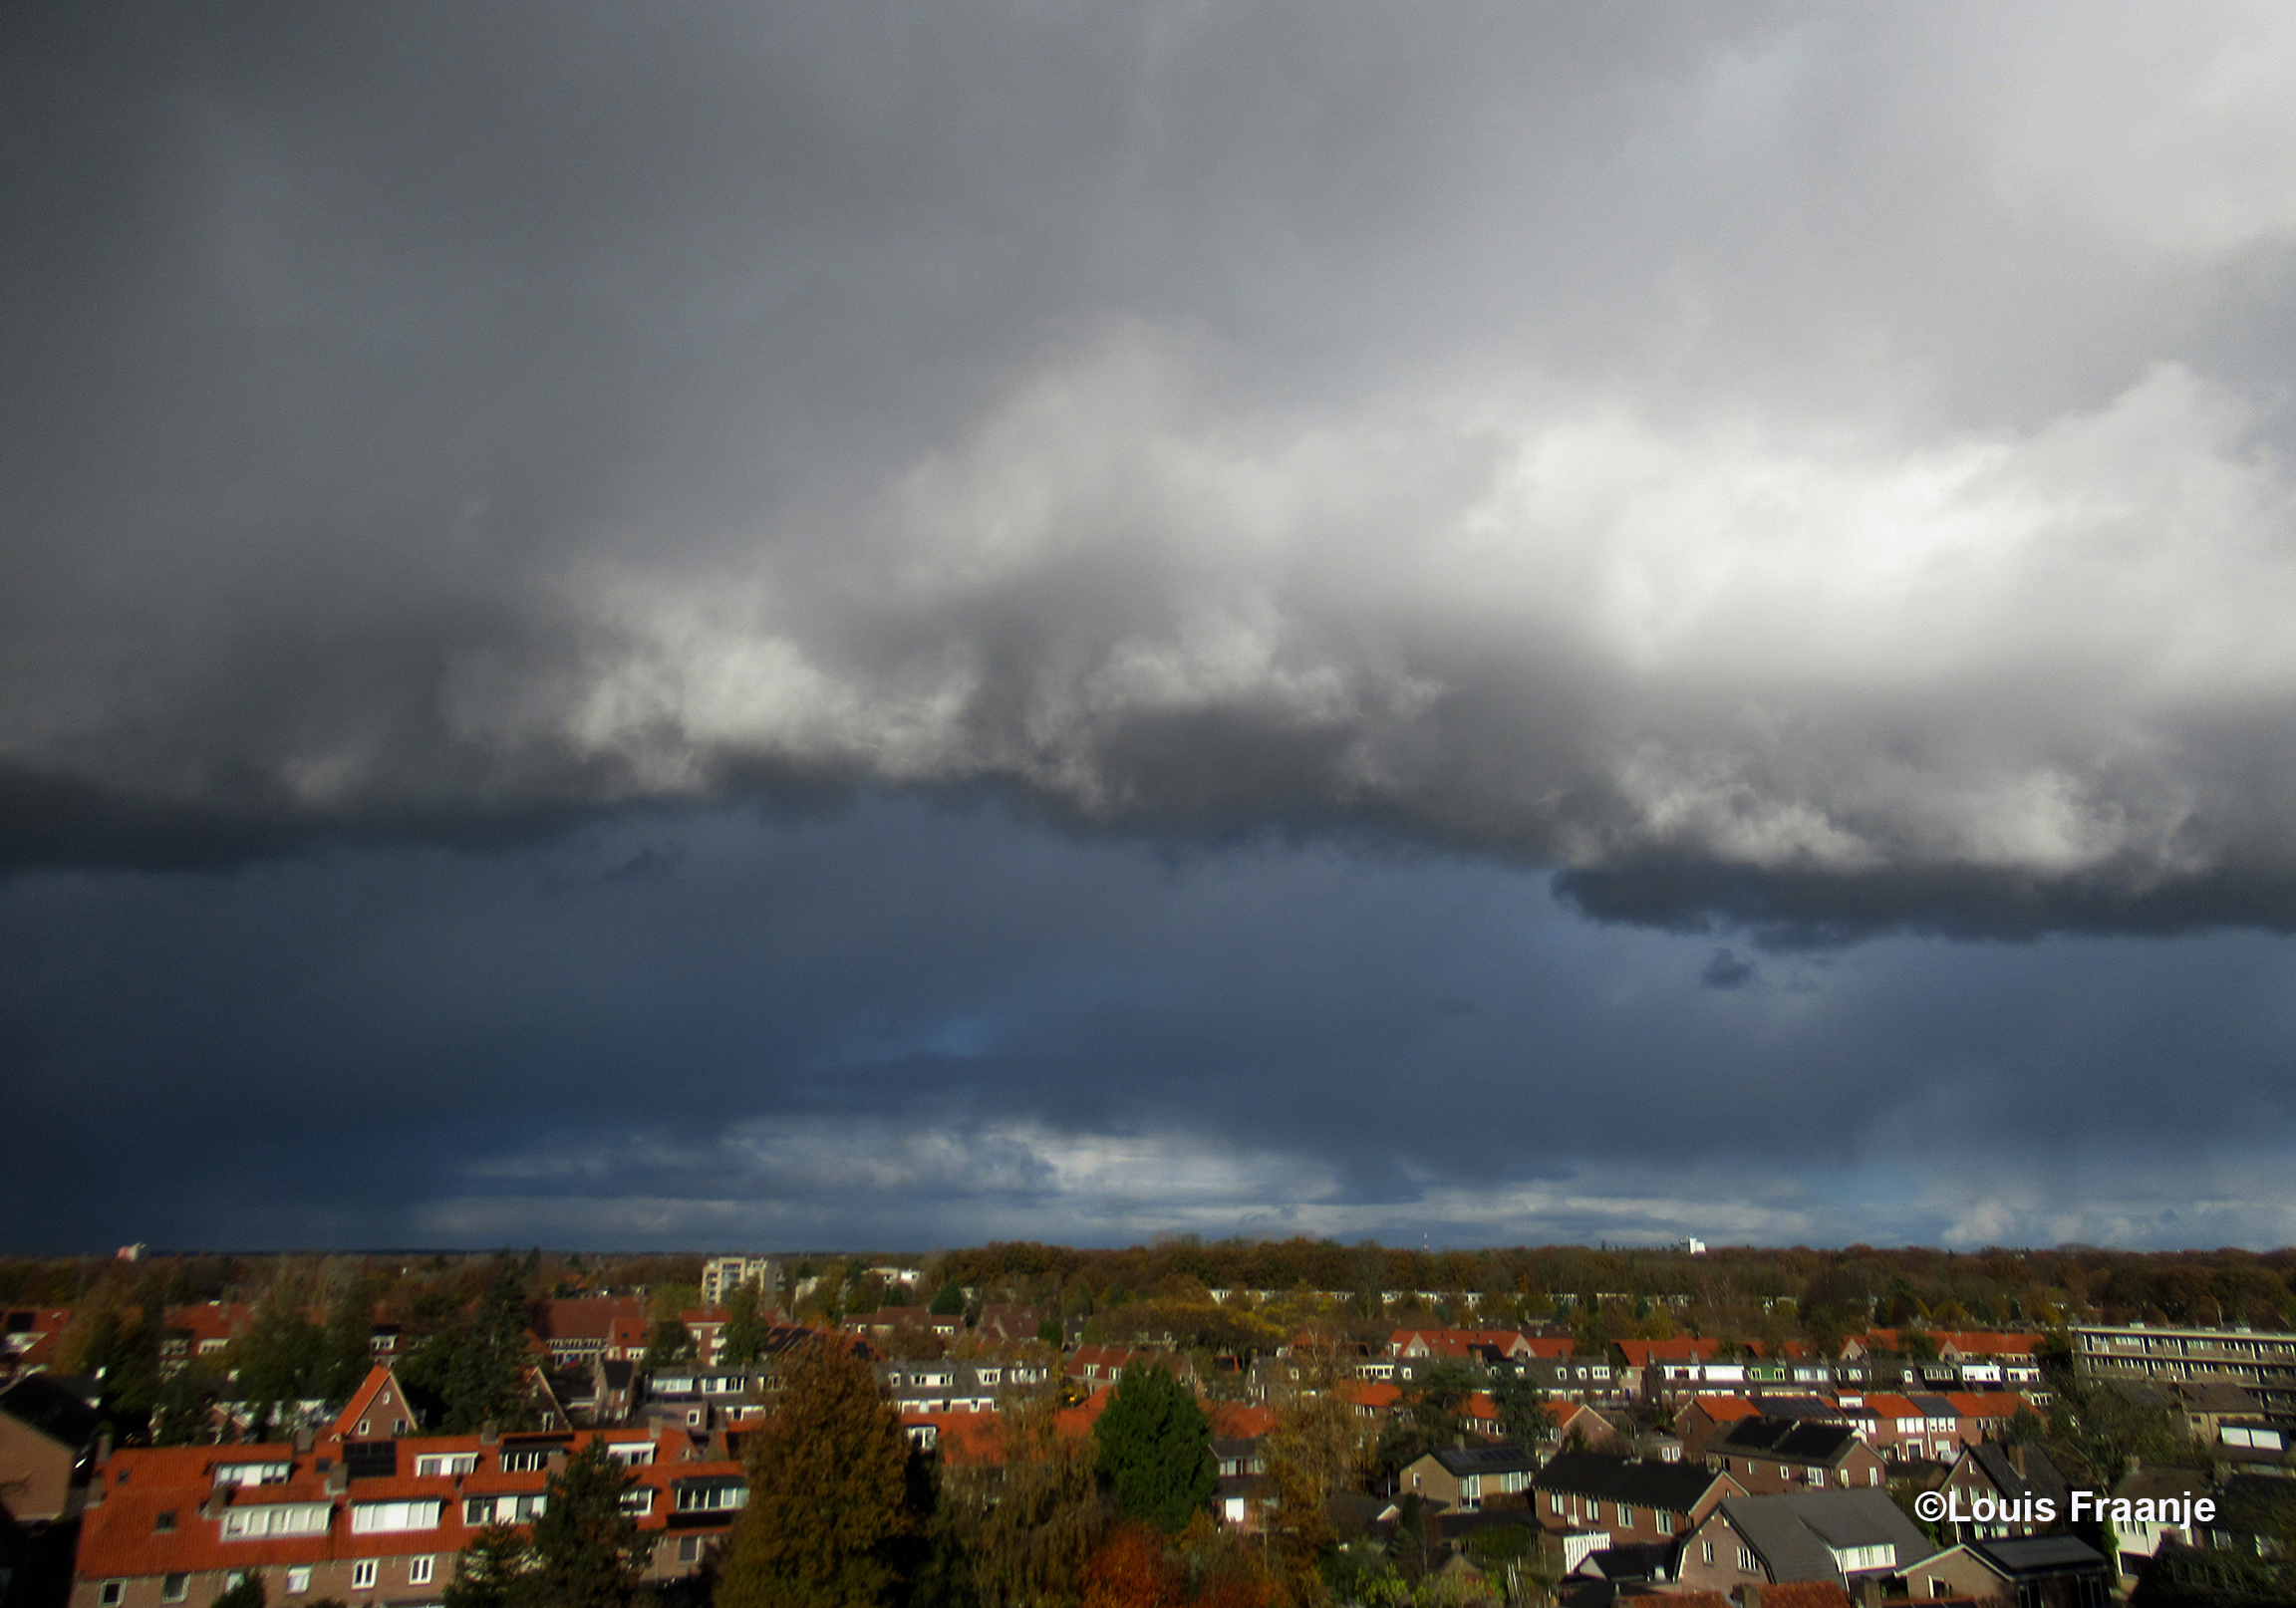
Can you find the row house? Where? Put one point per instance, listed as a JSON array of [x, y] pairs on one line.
[[1633, 1501], [366, 1521], [1879, 1358], [579, 1330], [1687, 1364], [1770, 1455], [703, 1399], [1488, 1344], [947, 1386], [1921, 1425], [886, 1321], [1103, 1365]]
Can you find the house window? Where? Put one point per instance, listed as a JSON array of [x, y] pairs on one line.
[[458, 1463], [1745, 1559], [398, 1425], [640, 1500], [688, 1548], [1626, 1516], [298, 1582], [1555, 1501], [112, 1591], [363, 1576], [174, 1587], [164, 1523], [418, 1571], [1706, 1549], [523, 1461]]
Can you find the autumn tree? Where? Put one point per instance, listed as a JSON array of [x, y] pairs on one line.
[[1020, 1533], [1156, 1448], [1313, 1452], [829, 1500], [1132, 1570]]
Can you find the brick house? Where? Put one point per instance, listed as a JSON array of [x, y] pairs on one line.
[[47, 1441], [2038, 1571], [1635, 1500], [1469, 1478], [1840, 1538], [1768, 1455], [364, 1521], [2022, 1475]]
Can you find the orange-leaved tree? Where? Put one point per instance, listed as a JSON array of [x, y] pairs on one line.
[[1131, 1570]]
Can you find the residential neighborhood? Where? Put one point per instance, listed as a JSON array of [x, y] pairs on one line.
[[368, 1438]]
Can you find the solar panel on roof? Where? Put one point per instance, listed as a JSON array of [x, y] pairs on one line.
[[371, 1460]]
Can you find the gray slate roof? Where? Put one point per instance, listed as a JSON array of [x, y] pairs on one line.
[[1485, 1459], [2040, 1478], [1673, 1487], [1795, 1533], [1786, 1440], [2039, 1554]]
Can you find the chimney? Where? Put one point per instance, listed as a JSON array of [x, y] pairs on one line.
[[305, 1439], [2017, 1460], [337, 1480], [102, 1447], [489, 1433]]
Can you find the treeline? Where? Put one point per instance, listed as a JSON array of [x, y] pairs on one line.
[[1603, 1292], [1727, 1289]]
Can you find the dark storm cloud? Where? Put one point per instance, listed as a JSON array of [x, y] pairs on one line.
[[894, 1025], [1811, 470]]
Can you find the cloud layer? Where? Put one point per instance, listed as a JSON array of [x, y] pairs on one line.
[[1827, 472], [901, 1026]]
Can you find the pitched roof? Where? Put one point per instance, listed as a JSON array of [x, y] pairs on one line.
[[57, 1412], [1675, 1487], [2041, 1477], [1724, 1408], [2034, 1555], [588, 1317], [1786, 1440], [1485, 1459], [1236, 1420], [1795, 1533], [1682, 1348]]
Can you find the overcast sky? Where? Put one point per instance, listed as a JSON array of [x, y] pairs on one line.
[[756, 627]]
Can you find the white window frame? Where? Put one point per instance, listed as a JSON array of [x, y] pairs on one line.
[[298, 1581], [112, 1592], [419, 1569], [176, 1587], [363, 1575], [446, 1465]]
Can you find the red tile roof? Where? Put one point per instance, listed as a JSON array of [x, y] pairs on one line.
[[1682, 1348]]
